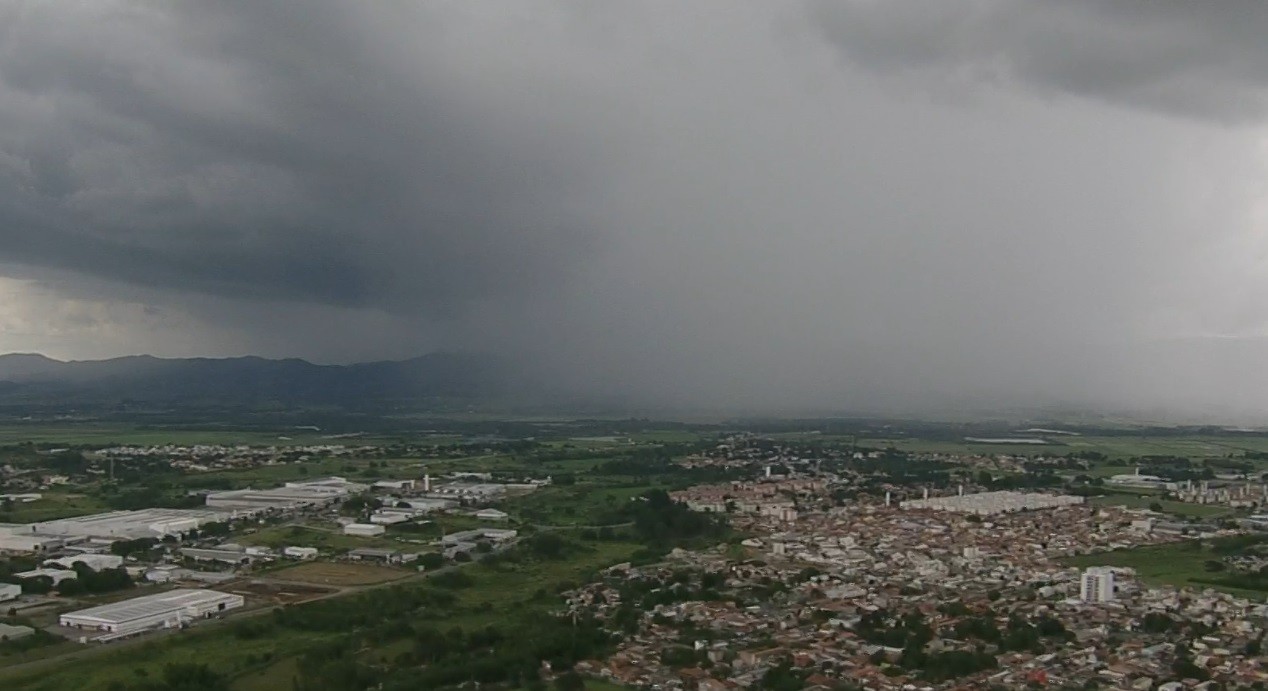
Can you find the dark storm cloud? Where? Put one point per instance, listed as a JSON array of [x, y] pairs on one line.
[[1199, 59], [238, 149], [696, 204]]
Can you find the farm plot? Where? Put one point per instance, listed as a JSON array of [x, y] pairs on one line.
[[330, 573]]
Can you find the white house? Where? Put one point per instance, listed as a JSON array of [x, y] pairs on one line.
[[492, 515], [9, 591], [364, 529], [300, 552]]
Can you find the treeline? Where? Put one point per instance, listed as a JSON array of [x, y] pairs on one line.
[[659, 520], [659, 466], [86, 582]]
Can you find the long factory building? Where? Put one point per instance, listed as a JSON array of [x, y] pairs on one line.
[[163, 610]]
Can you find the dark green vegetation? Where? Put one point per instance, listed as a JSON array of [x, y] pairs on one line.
[[911, 633]]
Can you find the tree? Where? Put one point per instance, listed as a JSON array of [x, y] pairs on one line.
[[1155, 507], [431, 560]]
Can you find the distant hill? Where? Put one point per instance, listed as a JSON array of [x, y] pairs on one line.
[[145, 380]]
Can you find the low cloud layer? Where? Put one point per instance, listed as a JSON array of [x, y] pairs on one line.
[[723, 206]]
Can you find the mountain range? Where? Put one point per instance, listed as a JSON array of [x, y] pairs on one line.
[[30, 379]]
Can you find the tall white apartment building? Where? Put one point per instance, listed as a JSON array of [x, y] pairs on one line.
[[1097, 584]]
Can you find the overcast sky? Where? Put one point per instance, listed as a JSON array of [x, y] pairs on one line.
[[838, 205]]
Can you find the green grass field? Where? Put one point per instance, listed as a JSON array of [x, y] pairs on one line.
[[1177, 508], [54, 505], [496, 596], [576, 505], [1177, 564], [327, 538]]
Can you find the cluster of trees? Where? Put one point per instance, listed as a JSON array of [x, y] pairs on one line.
[[912, 633], [498, 654], [363, 610], [661, 467], [359, 504], [644, 594], [86, 582], [784, 677], [908, 630], [948, 664], [658, 519], [137, 547], [897, 467], [149, 497], [1019, 635]]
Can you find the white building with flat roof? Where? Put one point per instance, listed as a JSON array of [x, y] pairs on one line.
[[333, 485], [163, 610], [364, 529], [10, 632], [1097, 584], [28, 544], [253, 501], [492, 515], [398, 485], [9, 591], [299, 552], [129, 525]]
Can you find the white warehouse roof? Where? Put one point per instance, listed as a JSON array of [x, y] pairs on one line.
[[119, 614]]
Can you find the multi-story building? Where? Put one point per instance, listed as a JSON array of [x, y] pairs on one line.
[[1097, 584]]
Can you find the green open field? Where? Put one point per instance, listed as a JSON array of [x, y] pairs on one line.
[[327, 538], [583, 504], [53, 505], [1180, 564], [1178, 508], [356, 469], [497, 595]]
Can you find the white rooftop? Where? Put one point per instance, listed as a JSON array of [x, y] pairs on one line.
[[147, 606]]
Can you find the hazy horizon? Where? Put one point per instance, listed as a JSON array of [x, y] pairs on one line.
[[724, 205]]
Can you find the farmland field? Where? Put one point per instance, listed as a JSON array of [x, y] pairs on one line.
[[1178, 508], [327, 573]]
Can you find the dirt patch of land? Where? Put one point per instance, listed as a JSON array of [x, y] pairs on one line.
[[329, 573], [260, 592]]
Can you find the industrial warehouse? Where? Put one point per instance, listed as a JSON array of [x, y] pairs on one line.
[[164, 610], [128, 525]]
